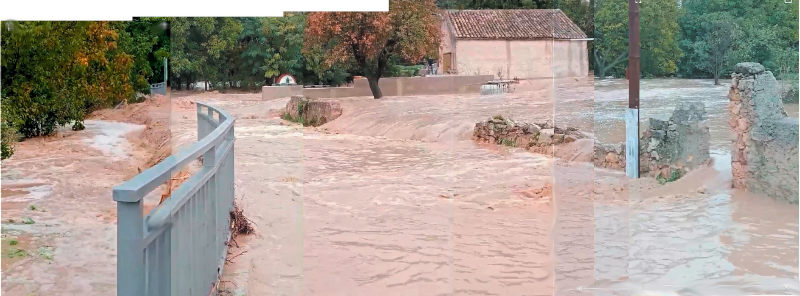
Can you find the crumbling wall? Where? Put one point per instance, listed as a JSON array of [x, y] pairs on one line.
[[677, 145], [313, 112], [764, 152], [667, 148], [536, 137]]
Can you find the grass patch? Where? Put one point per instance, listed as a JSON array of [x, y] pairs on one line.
[[46, 252], [508, 142], [16, 253], [32, 207], [27, 220], [675, 175]]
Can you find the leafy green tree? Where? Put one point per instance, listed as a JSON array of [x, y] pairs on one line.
[[54, 73], [659, 32], [763, 31], [659, 36], [201, 50], [148, 43], [284, 55], [611, 37]]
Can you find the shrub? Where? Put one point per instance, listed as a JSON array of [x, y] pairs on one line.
[[7, 139], [54, 73]]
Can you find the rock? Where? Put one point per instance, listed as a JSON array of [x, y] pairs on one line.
[[312, 112], [558, 138], [748, 68], [612, 158], [545, 137], [656, 124]]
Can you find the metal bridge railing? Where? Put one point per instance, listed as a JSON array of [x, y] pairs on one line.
[[158, 88], [180, 247]]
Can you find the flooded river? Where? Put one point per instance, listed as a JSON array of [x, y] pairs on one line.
[[394, 198], [695, 236]]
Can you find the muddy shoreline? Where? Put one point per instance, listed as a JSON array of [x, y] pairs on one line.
[[59, 221]]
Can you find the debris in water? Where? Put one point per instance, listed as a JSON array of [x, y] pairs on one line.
[[239, 223]]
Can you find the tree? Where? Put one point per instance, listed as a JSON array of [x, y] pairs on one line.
[[660, 51], [764, 32], [659, 36], [717, 43], [368, 41], [201, 49], [54, 73], [611, 37]]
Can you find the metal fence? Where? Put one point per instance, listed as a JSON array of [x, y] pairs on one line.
[[158, 88], [180, 247]]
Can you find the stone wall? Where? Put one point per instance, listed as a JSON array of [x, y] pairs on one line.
[[311, 112], [667, 148], [390, 86], [764, 152], [536, 137]]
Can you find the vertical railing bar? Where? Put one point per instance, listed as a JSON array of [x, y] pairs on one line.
[[130, 253]]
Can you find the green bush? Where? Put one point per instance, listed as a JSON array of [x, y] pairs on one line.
[[54, 73], [403, 71], [7, 139]]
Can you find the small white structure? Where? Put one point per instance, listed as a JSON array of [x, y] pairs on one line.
[[286, 79]]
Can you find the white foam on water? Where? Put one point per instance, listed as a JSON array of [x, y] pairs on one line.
[[109, 136], [35, 189]]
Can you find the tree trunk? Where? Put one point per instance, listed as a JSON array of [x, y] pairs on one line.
[[373, 86]]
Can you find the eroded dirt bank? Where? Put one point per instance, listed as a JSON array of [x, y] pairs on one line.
[[59, 221]]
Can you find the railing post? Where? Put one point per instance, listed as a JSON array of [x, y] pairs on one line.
[[130, 252], [201, 124]]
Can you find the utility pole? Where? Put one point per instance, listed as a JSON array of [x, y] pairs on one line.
[[632, 114]]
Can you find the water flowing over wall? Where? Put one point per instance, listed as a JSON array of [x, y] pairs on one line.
[[764, 152], [390, 86]]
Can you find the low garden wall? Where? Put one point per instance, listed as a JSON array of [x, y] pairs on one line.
[[392, 86]]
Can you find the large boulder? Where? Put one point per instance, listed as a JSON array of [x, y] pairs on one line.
[[312, 112]]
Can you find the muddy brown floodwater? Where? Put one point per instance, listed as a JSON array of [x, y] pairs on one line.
[[394, 198], [59, 221], [696, 236]]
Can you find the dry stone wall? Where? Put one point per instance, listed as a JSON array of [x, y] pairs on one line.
[[536, 137], [764, 152], [667, 148]]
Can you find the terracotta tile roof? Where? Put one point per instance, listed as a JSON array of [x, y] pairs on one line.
[[512, 24]]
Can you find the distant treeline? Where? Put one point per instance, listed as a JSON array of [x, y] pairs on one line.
[[56, 73], [249, 52], [698, 38]]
